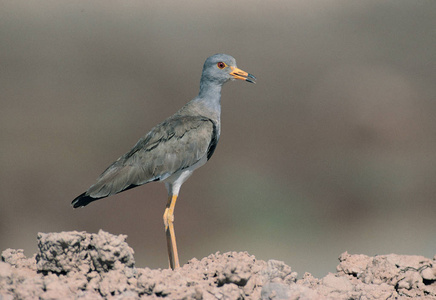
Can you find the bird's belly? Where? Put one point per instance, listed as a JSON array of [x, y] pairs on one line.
[[175, 181]]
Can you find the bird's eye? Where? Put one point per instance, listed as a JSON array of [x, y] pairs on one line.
[[221, 65]]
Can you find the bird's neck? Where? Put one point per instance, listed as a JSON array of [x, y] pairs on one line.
[[210, 90], [209, 99]]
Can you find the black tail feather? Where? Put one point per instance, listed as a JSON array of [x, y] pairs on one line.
[[83, 200]]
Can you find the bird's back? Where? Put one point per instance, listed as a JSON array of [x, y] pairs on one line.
[[173, 145]]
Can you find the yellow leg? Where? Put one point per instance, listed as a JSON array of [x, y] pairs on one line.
[[168, 219]]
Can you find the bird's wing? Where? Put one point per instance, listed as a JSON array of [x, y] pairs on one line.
[[176, 144]]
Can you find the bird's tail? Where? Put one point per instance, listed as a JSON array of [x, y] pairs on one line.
[[83, 200]]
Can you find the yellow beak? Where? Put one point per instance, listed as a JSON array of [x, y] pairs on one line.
[[239, 74]]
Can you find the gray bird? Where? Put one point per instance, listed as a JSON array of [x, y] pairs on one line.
[[173, 149]]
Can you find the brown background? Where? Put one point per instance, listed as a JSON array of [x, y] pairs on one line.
[[334, 149]]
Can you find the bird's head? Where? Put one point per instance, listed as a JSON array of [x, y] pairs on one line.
[[221, 68]]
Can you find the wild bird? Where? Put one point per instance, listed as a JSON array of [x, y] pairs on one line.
[[173, 149]]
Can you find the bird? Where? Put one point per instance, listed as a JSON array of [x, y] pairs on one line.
[[173, 149]]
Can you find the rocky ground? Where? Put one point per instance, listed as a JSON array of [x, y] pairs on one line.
[[79, 265]]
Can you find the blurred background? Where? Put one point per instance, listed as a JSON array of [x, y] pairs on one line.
[[333, 150]]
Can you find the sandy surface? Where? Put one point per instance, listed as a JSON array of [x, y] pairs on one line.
[[79, 265]]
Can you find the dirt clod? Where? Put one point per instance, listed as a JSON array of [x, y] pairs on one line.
[[79, 265]]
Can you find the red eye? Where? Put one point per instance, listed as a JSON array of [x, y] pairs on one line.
[[221, 65]]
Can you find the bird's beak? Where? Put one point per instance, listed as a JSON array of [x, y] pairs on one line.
[[239, 74]]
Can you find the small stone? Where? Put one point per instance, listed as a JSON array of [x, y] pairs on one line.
[[341, 284], [429, 273]]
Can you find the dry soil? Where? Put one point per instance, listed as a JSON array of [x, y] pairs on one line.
[[80, 265]]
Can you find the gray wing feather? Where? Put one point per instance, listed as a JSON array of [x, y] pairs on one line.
[[173, 145]]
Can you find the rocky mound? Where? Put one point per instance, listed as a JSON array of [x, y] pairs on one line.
[[79, 265]]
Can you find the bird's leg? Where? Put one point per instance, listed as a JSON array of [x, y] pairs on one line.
[[168, 219]]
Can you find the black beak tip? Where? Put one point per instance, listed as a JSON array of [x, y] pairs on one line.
[[251, 78]]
